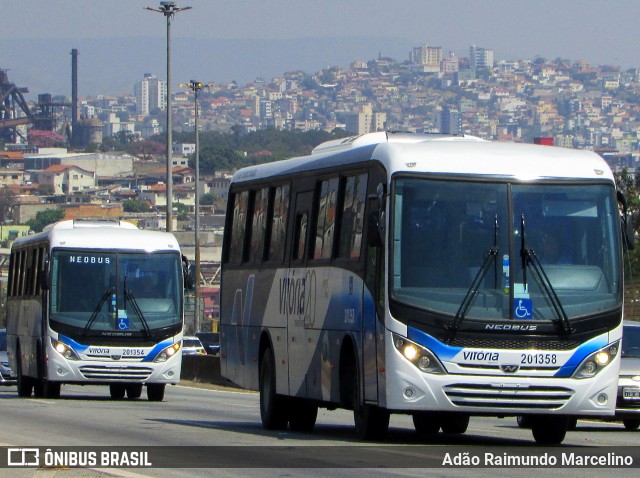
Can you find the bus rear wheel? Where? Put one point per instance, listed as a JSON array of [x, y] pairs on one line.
[[631, 424], [273, 410], [155, 392]]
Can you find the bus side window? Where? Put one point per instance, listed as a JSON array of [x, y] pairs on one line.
[[279, 223], [238, 226], [258, 225], [355, 189], [325, 225]]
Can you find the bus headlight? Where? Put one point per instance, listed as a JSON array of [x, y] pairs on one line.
[[419, 356], [594, 363], [64, 350], [167, 353]]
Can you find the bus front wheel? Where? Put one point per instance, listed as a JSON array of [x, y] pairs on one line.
[[155, 392], [25, 384], [116, 391], [134, 390], [273, 410], [302, 415], [550, 429], [371, 421]]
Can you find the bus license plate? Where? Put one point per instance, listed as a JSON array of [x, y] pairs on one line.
[[631, 393]]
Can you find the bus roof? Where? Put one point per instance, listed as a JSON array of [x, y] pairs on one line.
[[104, 235], [441, 154]]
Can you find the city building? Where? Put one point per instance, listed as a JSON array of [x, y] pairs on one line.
[[150, 93]]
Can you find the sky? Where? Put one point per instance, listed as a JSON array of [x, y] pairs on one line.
[[215, 41]]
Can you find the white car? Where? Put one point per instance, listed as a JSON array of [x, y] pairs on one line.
[[192, 346], [7, 377]]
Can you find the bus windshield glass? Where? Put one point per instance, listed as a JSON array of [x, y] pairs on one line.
[[461, 242], [103, 293]]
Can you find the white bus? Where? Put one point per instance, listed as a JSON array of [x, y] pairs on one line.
[[432, 275], [95, 302]]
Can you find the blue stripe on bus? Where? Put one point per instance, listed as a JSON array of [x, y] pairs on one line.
[[156, 350], [582, 352], [442, 351], [78, 347]]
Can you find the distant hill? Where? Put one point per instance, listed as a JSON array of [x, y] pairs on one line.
[[111, 66]]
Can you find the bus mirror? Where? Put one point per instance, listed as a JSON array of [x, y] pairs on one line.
[[628, 231], [43, 278], [627, 221], [43, 275], [373, 231], [188, 273]]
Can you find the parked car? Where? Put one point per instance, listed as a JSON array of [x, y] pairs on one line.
[[192, 346], [7, 377], [211, 342], [628, 401]]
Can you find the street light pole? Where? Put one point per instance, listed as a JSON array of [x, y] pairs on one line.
[[169, 9], [196, 86]]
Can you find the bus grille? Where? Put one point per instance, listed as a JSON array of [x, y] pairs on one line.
[[507, 396], [515, 344], [104, 372]]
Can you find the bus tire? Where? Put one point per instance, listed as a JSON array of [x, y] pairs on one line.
[[48, 389], [455, 423], [155, 392], [550, 429], [134, 390], [426, 423], [24, 384], [273, 410], [631, 424], [117, 390], [302, 415], [371, 421]]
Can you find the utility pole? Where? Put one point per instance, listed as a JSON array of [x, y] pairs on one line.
[[196, 86], [169, 9]]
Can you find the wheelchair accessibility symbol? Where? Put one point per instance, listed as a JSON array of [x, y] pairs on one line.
[[123, 323], [522, 308]]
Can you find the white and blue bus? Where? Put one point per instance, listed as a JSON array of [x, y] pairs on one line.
[[432, 275], [96, 302]]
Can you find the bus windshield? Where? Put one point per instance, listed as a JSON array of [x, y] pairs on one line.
[[459, 245], [115, 294]]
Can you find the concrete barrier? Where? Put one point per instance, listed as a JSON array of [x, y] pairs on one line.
[[204, 369]]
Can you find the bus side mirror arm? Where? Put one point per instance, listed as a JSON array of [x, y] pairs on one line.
[[626, 222]]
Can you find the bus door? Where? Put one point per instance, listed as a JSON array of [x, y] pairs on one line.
[[373, 305], [298, 294]]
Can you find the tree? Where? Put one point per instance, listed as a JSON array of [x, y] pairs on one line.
[[136, 205], [45, 139], [145, 149], [44, 218], [7, 201]]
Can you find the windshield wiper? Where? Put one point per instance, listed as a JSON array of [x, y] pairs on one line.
[[136, 308], [491, 253], [529, 258], [107, 293]]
